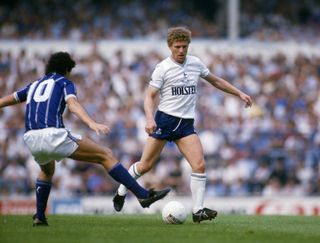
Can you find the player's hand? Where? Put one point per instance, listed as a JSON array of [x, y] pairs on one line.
[[97, 127], [247, 99], [150, 126]]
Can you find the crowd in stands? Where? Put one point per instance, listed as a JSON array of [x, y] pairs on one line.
[[280, 20], [89, 20], [273, 148], [270, 149]]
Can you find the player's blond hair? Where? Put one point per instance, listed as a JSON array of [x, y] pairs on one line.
[[178, 34]]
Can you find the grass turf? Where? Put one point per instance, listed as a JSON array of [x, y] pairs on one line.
[[151, 229]]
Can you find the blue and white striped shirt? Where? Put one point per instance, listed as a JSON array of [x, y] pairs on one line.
[[46, 101]]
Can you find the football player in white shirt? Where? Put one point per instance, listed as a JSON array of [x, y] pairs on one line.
[[175, 79]]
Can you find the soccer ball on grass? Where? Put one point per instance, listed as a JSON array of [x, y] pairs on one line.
[[174, 213]]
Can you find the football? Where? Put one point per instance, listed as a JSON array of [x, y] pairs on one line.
[[174, 212]]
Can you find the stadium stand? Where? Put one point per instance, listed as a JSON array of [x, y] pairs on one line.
[[88, 20], [271, 149]]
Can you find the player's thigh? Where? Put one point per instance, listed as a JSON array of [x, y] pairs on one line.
[[90, 151], [191, 148], [152, 150]]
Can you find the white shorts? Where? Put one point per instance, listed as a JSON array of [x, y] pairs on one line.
[[50, 144]]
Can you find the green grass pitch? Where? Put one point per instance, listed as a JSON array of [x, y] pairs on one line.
[[150, 229]]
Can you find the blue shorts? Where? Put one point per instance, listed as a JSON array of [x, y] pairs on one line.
[[172, 128]]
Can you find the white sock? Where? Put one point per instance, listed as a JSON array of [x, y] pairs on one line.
[[122, 190], [198, 187]]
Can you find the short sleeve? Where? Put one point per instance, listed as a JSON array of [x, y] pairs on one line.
[[69, 90], [157, 77], [204, 71], [22, 94]]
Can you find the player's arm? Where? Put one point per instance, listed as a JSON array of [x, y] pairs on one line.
[[76, 108], [225, 86], [149, 106], [8, 101]]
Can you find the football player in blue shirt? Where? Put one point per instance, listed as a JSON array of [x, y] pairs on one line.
[[48, 140]]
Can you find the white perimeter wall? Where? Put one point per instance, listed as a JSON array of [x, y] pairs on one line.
[[129, 48], [228, 205]]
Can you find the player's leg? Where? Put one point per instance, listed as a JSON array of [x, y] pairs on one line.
[[191, 148], [91, 152], [150, 154], [43, 187]]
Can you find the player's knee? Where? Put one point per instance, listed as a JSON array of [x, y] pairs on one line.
[[199, 167], [145, 166], [107, 157], [46, 175], [47, 171]]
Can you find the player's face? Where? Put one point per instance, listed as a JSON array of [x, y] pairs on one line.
[[179, 50]]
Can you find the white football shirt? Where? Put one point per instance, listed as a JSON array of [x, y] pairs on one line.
[[177, 84]]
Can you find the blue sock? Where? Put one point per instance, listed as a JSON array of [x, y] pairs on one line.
[[42, 194], [121, 175]]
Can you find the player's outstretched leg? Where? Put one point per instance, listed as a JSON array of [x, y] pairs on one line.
[[146, 198], [153, 197], [204, 214], [119, 198]]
